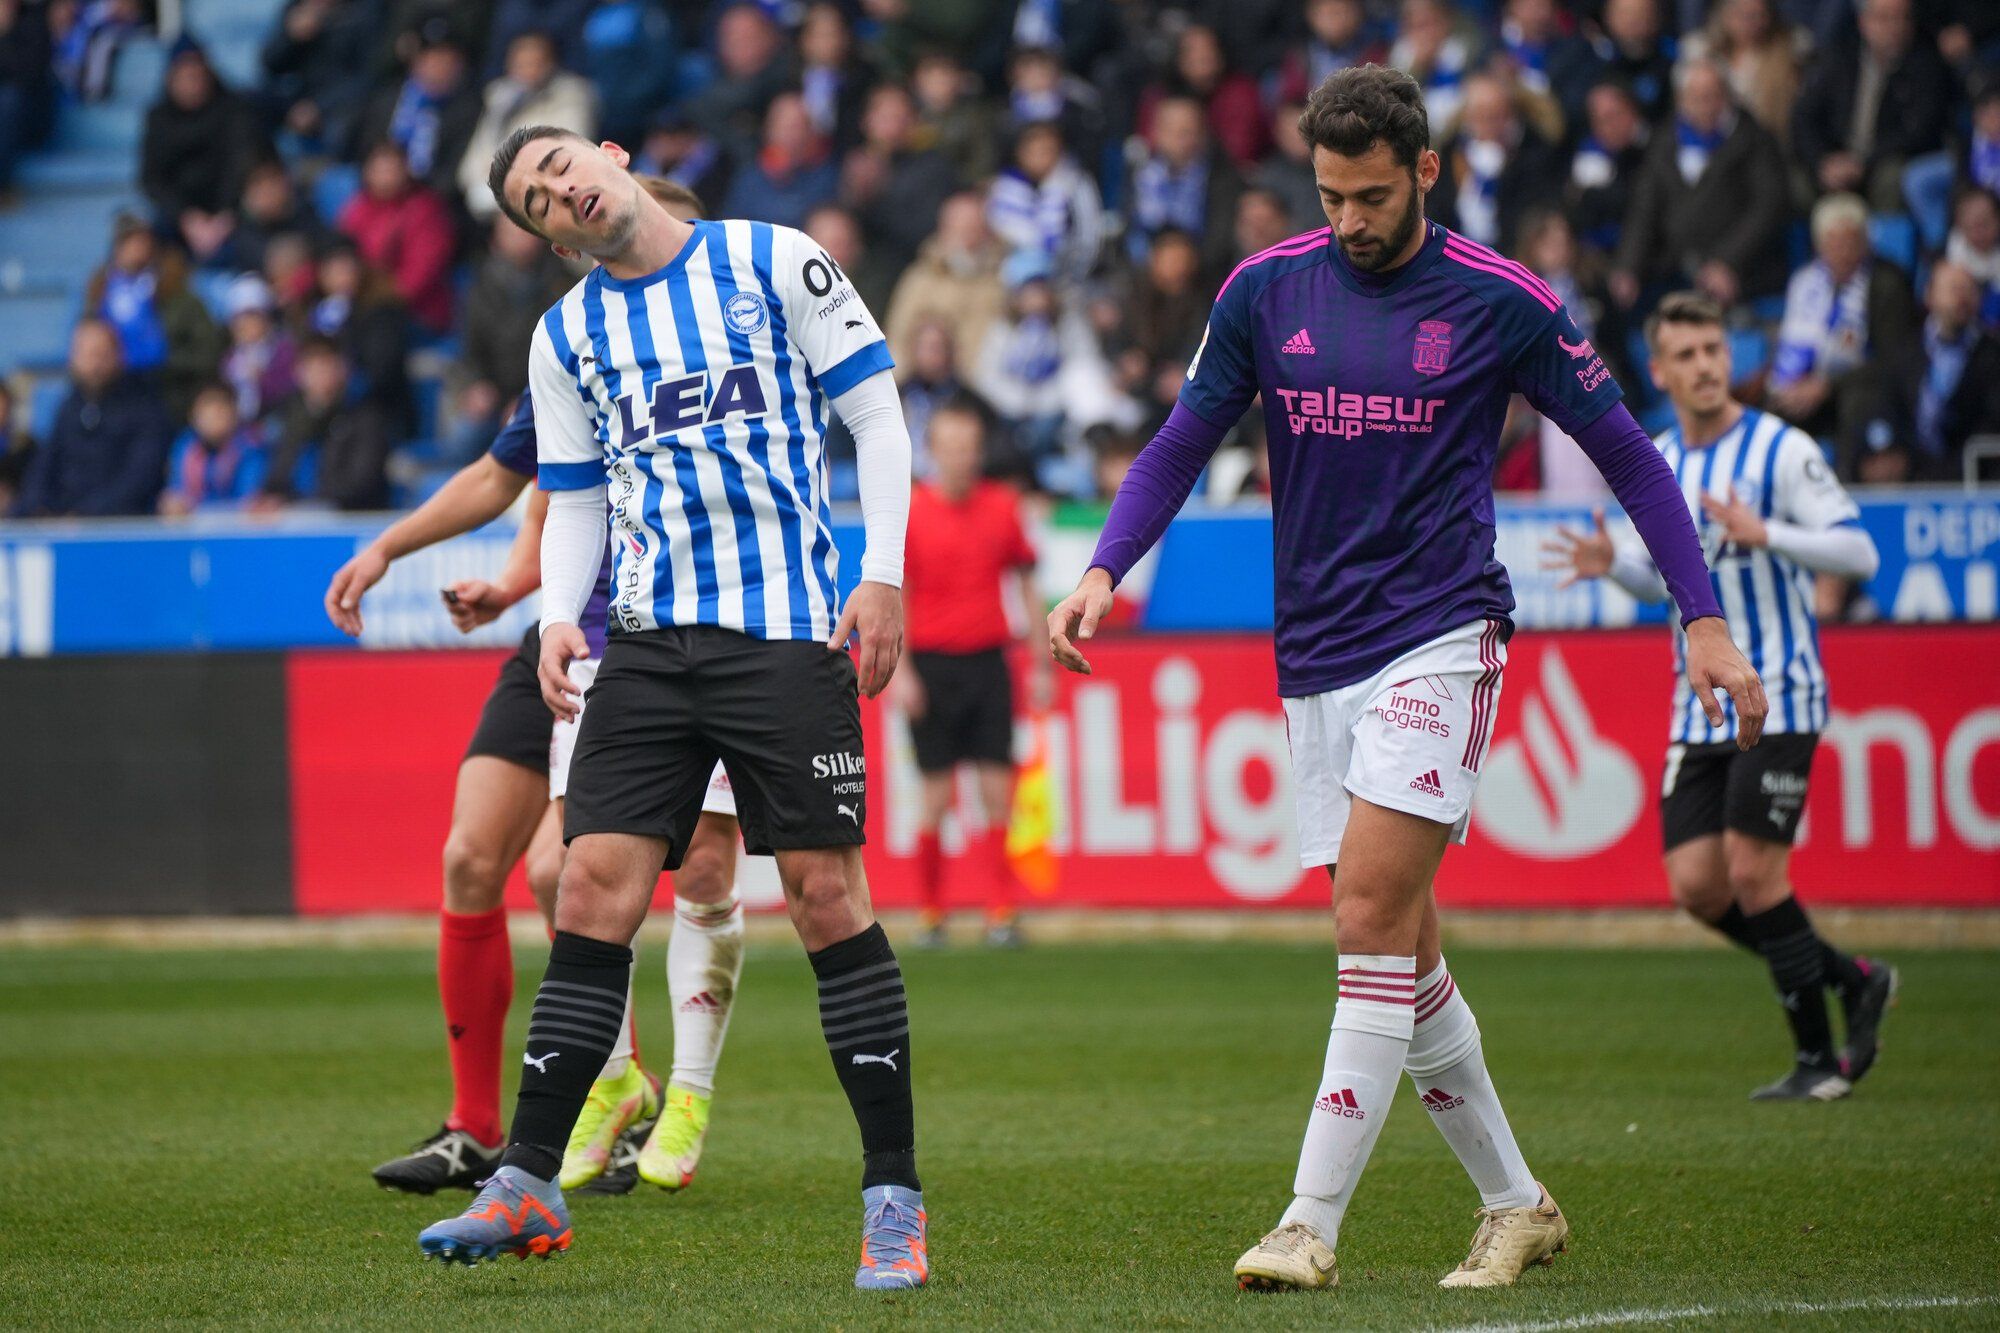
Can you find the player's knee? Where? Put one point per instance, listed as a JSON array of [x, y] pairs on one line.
[[1754, 881], [1705, 898], [474, 873], [1369, 924], [706, 876], [545, 867], [823, 893]]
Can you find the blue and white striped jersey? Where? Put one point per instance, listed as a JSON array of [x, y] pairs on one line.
[[698, 394], [1768, 600]]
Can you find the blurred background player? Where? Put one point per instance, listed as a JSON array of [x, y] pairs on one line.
[[965, 543], [1393, 614], [508, 803], [1771, 517]]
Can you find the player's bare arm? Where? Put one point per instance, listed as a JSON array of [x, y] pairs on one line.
[[476, 495], [1076, 618], [475, 602]]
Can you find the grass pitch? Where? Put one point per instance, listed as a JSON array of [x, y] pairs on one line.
[[1102, 1130]]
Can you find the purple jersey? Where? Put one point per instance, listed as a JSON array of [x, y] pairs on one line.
[[1383, 401], [514, 449]]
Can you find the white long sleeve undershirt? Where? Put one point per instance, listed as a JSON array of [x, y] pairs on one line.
[[573, 539], [873, 411]]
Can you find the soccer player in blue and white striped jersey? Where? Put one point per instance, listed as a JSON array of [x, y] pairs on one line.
[[682, 395], [1772, 518]]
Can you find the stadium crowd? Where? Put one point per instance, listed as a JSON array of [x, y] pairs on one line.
[[1038, 198]]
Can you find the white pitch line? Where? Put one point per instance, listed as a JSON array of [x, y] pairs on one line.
[[1621, 1318]]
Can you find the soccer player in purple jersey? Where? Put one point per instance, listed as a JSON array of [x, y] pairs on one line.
[[1385, 349]]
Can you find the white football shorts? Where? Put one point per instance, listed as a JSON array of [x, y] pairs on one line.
[[719, 799], [1411, 737]]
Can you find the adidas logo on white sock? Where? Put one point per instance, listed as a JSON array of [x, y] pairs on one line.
[[1341, 1103], [1299, 344], [703, 1003], [1437, 1100]]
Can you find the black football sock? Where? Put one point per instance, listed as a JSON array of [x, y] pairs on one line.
[[866, 1019], [1843, 973], [575, 1023], [1797, 959], [1734, 925]]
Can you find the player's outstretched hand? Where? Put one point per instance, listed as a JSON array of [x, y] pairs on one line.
[[1738, 521], [1586, 555], [874, 616], [1714, 663], [343, 595], [1076, 617], [561, 645], [474, 602]]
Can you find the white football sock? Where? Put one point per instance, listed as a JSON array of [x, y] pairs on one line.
[[628, 1039], [704, 960], [1371, 1033], [1448, 1067]]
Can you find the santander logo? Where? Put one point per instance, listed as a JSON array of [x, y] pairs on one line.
[[1559, 790]]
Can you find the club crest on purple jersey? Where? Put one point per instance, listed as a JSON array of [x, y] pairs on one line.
[[1432, 352]]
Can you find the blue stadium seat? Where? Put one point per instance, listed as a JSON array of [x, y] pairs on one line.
[[45, 399], [1893, 236], [212, 286], [1749, 351], [103, 126], [34, 329], [333, 188], [92, 169], [140, 72]]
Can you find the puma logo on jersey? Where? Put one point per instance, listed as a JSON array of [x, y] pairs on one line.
[[541, 1063], [889, 1059]]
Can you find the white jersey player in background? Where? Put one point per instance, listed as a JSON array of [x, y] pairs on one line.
[[1772, 517]]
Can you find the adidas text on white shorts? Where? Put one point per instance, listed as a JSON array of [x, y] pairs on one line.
[[719, 799], [1411, 738]]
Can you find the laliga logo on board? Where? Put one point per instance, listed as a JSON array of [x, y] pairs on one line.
[[1558, 790]]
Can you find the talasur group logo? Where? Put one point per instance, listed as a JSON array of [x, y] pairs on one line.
[[1558, 790]]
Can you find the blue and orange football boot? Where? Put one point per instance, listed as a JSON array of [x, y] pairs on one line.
[[893, 1253], [514, 1214]]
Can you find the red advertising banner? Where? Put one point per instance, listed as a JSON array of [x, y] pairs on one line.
[[1172, 778]]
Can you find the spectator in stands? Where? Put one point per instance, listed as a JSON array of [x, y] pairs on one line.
[[1710, 203], [1043, 201], [1431, 50], [952, 118], [431, 114], [17, 449], [1227, 98], [792, 174], [27, 92], [534, 90], [1183, 181], [928, 378], [259, 363], [891, 185], [955, 282], [1974, 245], [164, 331], [87, 38], [830, 75], [519, 279], [632, 59], [108, 450], [677, 149], [1164, 309], [271, 207], [333, 448], [1288, 172], [1870, 104], [317, 65], [1531, 34], [219, 461], [1262, 222], [1943, 388], [402, 227], [1494, 167], [1607, 163], [201, 141], [1841, 310], [1042, 370], [1764, 55], [562, 20], [1553, 461], [1040, 88], [1972, 161], [750, 71], [288, 269], [851, 246], [1337, 37], [1625, 45], [356, 306]]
